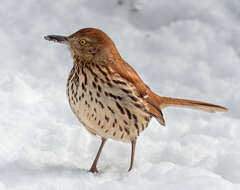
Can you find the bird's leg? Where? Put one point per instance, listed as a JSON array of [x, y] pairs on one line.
[[93, 168], [132, 154]]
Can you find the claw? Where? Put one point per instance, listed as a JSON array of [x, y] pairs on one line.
[[93, 170]]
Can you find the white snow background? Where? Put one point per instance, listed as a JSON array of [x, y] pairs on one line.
[[185, 49]]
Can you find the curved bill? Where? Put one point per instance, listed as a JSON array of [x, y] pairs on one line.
[[56, 38]]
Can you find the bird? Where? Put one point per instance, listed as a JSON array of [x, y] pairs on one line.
[[108, 96]]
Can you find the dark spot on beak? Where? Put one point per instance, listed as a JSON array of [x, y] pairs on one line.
[[56, 38]]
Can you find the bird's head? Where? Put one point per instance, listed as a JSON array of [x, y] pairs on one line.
[[87, 44]]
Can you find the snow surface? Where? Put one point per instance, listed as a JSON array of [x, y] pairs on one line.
[[186, 49]]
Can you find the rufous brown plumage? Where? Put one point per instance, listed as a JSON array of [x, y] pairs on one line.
[[108, 96]]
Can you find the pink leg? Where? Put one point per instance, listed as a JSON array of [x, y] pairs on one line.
[[132, 155], [93, 168]]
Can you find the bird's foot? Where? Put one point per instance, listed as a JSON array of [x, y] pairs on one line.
[[130, 169], [93, 170]]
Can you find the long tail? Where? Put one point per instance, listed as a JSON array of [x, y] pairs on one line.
[[157, 103], [165, 102]]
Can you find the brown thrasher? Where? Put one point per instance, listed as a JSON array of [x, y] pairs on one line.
[[107, 95]]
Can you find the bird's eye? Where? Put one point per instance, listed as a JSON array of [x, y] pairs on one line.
[[82, 42]]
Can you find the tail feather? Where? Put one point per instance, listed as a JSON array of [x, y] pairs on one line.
[[157, 103], [165, 102]]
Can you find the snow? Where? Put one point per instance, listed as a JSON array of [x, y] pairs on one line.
[[186, 49]]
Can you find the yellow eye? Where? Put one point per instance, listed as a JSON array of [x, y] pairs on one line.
[[83, 42]]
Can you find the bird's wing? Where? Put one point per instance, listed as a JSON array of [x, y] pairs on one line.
[[128, 73]]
